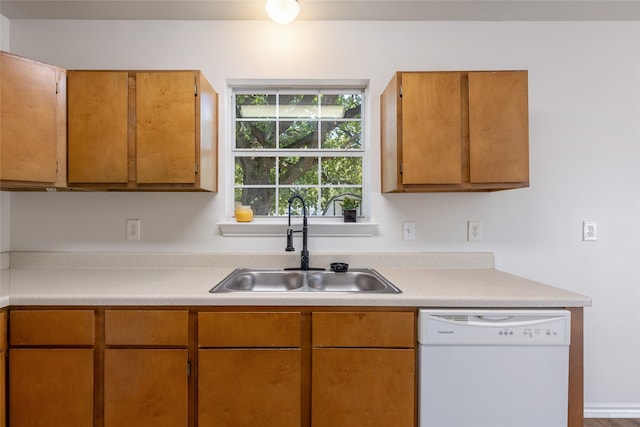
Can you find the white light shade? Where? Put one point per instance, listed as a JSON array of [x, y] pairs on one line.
[[292, 111], [282, 11]]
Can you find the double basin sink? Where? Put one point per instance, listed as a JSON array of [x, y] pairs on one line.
[[361, 280]]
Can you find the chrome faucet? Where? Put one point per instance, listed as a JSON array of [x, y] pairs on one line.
[[304, 254]]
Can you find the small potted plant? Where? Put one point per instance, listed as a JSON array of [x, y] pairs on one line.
[[349, 209]]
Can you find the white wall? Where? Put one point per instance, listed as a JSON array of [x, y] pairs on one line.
[[4, 33], [584, 99]]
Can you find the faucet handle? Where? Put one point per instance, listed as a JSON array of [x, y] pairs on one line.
[[289, 247]]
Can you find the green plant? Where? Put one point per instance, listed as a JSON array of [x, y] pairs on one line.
[[348, 203]]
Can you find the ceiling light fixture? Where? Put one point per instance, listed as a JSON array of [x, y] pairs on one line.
[[282, 11]]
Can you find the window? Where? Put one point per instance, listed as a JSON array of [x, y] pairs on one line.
[[302, 141]]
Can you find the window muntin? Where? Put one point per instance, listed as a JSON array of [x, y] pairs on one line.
[[306, 142]]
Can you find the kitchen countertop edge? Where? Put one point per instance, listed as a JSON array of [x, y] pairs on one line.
[[421, 287]]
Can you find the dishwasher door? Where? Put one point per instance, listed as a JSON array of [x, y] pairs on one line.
[[493, 368]]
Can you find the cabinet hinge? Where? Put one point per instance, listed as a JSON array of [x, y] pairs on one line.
[[57, 87], [195, 89], [196, 167], [57, 166], [400, 167], [188, 368], [400, 92]]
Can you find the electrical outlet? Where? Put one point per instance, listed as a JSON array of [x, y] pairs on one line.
[[474, 231], [589, 229], [408, 231], [133, 229]]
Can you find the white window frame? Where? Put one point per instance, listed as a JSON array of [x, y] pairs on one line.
[[276, 225]]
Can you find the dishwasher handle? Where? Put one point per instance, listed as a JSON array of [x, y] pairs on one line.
[[494, 318]]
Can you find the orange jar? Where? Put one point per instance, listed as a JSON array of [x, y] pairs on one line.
[[244, 213]]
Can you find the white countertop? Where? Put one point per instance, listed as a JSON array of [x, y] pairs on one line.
[[467, 284], [420, 288]]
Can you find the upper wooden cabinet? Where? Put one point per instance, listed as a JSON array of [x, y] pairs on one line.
[[455, 131], [32, 124], [137, 130]]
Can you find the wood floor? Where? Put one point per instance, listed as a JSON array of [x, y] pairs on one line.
[[617, 422]]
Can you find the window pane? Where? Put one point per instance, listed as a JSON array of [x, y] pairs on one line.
[[299, 134], [342, 135], [298, 106], [255, 135], [298, 170], [310, 196], [261, 200], [255, 171], [255, 106], [342, 170], [343, 105], [332, 198]]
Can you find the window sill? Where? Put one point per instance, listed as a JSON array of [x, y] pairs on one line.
[[275, 228]]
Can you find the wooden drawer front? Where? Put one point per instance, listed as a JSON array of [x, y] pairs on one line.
[[147, 327], [249, 329], [364, 329], [51, 327]]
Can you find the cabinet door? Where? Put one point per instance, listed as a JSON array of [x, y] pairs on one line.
[[431, 128], [3, 367], [145, 388], [249, 387], [363, 387], [498, 127], [98, 126], [51, 387], [28, 118], [166, 127], [3, 389]]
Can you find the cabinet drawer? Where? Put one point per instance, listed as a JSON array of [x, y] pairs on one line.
[[147, 327], [51, 327], [364, 329], [249, 329]]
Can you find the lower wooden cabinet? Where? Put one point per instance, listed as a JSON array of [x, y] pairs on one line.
[[363, 369], [211, 367], [249, 369], [51, 368], [146, 368], [249, 387], [146, 388], [51, 387], [3, 367], [3, 389]]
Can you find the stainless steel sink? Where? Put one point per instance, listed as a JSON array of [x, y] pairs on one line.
[[364, 280], [247, 280], [350, 281]]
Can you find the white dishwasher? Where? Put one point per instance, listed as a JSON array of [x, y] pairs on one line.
[[493, 368]]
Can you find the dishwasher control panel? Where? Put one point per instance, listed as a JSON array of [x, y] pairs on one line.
[[494, 327]]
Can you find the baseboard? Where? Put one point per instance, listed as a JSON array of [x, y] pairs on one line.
[[611, 411]]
